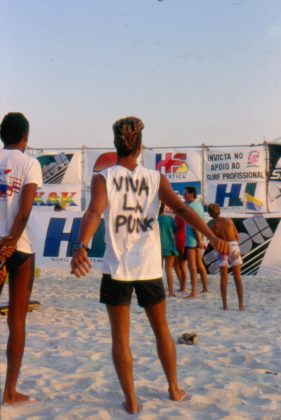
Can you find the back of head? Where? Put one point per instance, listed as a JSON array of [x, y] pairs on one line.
[[127, 135], [214, 210], [191, 190], [13, 128]]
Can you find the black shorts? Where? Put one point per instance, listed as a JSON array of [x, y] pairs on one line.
[[117, 292], [18, 258]]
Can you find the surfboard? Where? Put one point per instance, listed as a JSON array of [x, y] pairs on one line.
[[33, 304]]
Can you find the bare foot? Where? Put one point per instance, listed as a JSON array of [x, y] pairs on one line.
[[132, 408], [172, 294], [177, 394], [191, 296], [241, 308], [204, 291], [18, 399], [225, 308]]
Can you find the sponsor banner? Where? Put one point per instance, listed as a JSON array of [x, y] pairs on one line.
[[59, 166], [179, 165], [53, 235], [246, 197], [235, 165], [259, 236], [274, 184], [97, 160], [67, 195]]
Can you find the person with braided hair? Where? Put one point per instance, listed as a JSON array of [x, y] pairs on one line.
[[128, 195]]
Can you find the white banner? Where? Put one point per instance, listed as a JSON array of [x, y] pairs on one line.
[[59, 166], [97, 160], [234, 164], [260, 237], [235, 178], [247, 197], [179, 165], [53, 234], [67, 195]]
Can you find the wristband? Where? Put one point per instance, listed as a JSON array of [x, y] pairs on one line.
[[78, 245]]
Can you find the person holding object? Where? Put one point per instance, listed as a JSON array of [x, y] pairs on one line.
[[20, 175], [128, 196]]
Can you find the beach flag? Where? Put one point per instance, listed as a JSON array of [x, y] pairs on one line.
[[252, 203]]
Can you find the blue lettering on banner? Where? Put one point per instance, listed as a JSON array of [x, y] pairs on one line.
[[234, 195], [56, 235]]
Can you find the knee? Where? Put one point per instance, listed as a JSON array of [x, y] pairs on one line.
[[192, 266]]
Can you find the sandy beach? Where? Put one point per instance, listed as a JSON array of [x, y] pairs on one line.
[[233, 373]]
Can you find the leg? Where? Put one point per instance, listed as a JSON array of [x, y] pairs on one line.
[[183, 271], [20, 286], [177, 270], [239, 285], [169, 265], [202, 270], [165, 347], [119, 317], [224, 278], [191, 261]]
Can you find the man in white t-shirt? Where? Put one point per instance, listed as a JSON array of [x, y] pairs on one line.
[[20, 175], [128, 196]]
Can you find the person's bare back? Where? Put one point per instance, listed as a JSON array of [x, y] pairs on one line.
[[224, 228]]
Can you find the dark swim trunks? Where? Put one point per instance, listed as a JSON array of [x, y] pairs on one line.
[[18, 258], [117, 292]]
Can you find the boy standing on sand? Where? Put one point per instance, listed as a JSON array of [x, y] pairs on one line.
[[224, 228], [129, 196]]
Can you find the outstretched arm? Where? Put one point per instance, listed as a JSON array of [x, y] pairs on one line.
[[80, 264], [170, 198]]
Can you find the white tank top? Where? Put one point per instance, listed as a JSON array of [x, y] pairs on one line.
[[133, 250]]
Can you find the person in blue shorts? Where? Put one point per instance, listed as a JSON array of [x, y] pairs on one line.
[[195, 245]]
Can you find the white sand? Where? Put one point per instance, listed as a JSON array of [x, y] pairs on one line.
[[67, 364]]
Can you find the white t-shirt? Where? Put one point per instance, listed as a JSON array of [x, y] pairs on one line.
[[16, 170], [133, 250]]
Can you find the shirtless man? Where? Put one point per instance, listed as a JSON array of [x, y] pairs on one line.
[[225, 229]]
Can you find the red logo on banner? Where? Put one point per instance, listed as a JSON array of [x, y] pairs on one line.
[[106, 160], [253, 158], [174, 165]]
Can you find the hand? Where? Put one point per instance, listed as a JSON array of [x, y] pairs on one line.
[[7, 246], [80, 263], [3, 274], [221, 246], [201, 244]]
